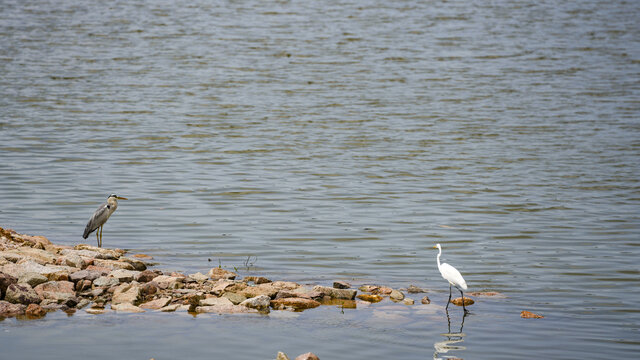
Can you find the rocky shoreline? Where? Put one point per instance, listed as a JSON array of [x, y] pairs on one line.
[[37, 277]]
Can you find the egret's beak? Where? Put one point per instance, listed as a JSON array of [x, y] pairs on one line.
[[121, 198], [435, 247]]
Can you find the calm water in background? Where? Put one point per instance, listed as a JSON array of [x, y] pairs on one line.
[[336, 140]]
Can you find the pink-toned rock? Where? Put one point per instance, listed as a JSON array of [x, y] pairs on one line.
[[219, 273], [143, 256], [156, 304], [5, 281], [101, 269], [169, 282], [263, 289], [290, 293], [21, 294], [529, 315], [56, 290], [215, 301], [35, 311], [297, 304], [307, 356], [41, 257], [8, 309], [221, 286]]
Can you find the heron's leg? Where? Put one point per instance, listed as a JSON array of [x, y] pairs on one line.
[[98, 237], [100, 244], [448, 301], [463, 307]]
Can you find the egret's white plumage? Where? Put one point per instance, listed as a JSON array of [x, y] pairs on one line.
[[100, 217], [452, 275]]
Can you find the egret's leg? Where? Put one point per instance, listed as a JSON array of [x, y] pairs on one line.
[[448, 301], [463, 307]]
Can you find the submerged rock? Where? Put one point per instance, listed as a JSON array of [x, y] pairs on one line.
[[408, 301], [396, 295], [370, 298], [412, 289], [467, 301], [281, 356], [529, 315], [425, 300], [307, 356]]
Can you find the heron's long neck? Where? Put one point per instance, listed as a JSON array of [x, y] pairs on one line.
[[113, 203]]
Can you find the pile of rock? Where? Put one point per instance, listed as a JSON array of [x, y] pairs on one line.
[[37, 276]]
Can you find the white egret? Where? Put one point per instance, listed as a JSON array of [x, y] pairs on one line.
[[453, 276], [101, 216]]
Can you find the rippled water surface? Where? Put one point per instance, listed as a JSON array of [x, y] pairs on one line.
[[313, 141]]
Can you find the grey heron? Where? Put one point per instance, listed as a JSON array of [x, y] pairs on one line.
[[453, 276], [101, 216]]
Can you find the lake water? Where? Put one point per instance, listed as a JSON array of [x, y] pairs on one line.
[[315, 141]]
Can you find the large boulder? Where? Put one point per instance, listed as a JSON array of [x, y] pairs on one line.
[[8, 309], [21, 294], [346, 294], [296, 304], [260, 303], [32, 278], [59, 291]]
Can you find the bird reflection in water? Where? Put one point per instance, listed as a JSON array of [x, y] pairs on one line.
[[452, 339]]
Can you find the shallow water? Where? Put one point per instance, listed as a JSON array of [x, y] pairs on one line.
[[311, 142]]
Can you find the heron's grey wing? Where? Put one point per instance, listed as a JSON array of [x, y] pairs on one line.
[[97, 219]]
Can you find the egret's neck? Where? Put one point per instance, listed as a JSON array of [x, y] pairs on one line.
[[438, 258]]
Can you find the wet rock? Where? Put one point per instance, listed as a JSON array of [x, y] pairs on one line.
[[219, 273], [146, 276], [156, 304], [467, 301], [282, 356], [143, 256], [95, 311], [260, 303], [126, 294], [225, 309], [126, 307], [294, 293], [343, 303], [348, 294], [425, 300], [5, 281], [341, 285], [296, 304], [35, 311], [487, 294], [137, 264], [396, 295], [199, 277], [123, 275], [21, 294], [8, 309], [235, 298], [60, 291], [307, 356], [529, 315], [408, 301], [168, 282], [84, 275], [257, 279], [412, 289], [215, 301], [82, 303], [113, 264], [105, 281], [370, 298]]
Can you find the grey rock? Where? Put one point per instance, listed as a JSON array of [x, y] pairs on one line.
[[235, 298], [412, 289], [260, 302], [123, 275], [84, 275], [346, 294], [32, 278], [105, 281], [341, 285], [21, 294], [137, 264]]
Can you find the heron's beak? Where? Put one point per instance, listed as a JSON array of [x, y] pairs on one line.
[[121, 198]]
